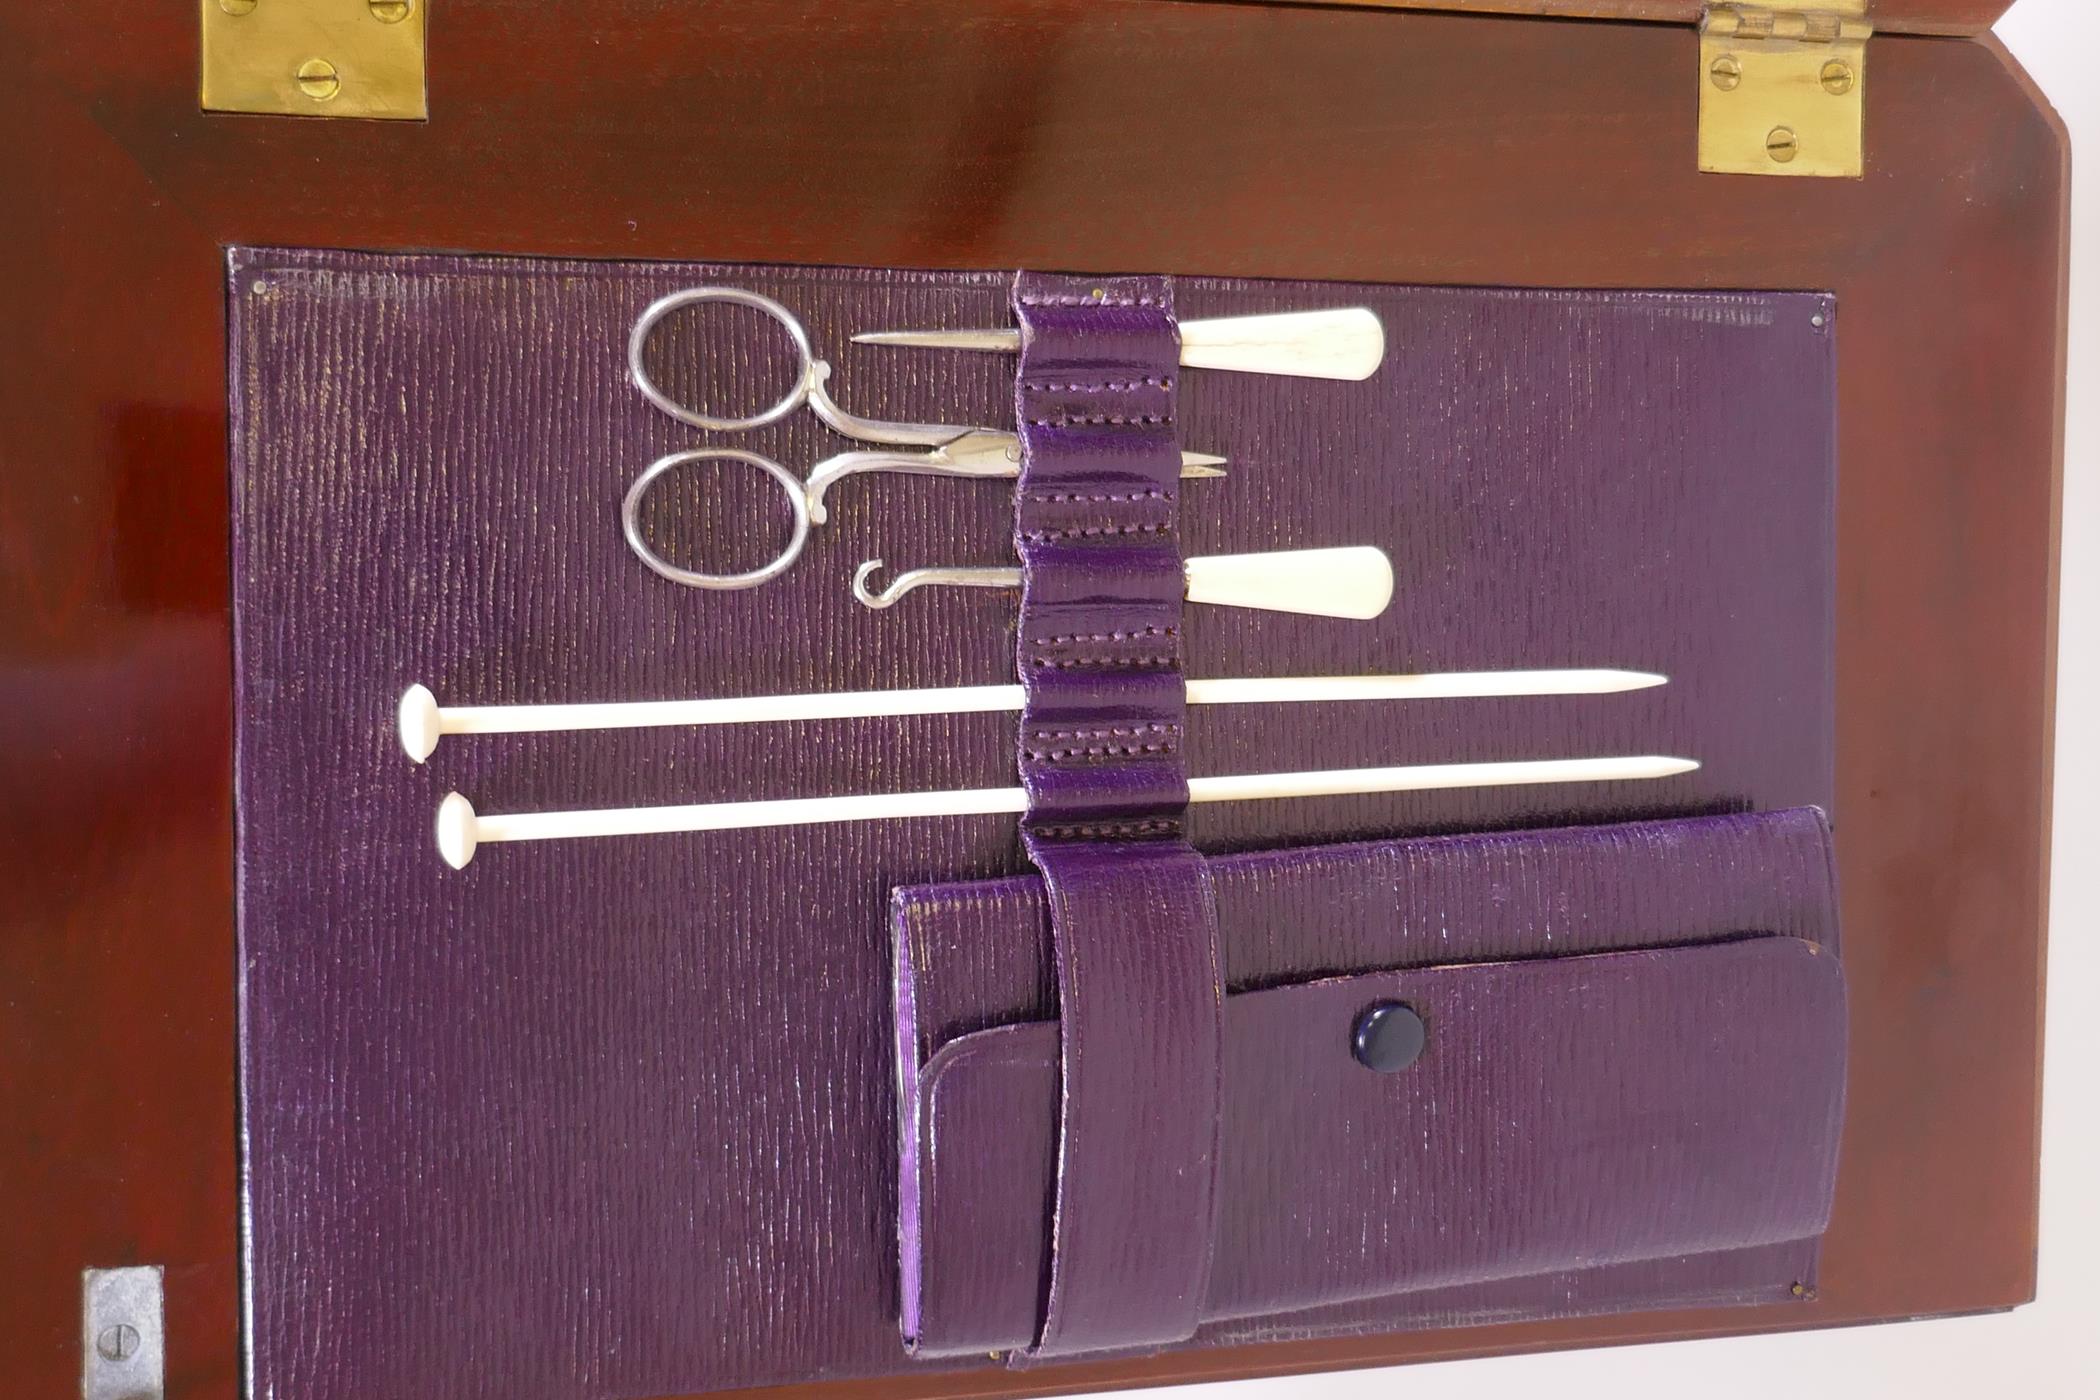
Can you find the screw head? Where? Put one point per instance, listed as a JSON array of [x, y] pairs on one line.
[[1727, 72], [318, 79], [1837, 77], [238, 7], [1781, 144], [118, 1342], [389, 11]]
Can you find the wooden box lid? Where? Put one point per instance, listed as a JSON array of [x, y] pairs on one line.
[[1891, 16]]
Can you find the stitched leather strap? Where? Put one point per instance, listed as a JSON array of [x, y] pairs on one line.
[[1133, 921]]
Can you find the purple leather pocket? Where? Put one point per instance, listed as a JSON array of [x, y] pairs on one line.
[[1634, 1052]]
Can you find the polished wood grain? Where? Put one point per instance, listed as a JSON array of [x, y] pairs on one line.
[[1098, 134], [1890, 16]]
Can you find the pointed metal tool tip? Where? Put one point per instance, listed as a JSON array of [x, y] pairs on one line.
[[1201, 459], [1007, 340]]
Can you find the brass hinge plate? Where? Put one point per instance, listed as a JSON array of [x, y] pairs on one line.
[[315, 58], [1782, 89]]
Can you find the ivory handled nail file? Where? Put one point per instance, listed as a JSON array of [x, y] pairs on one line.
[[461, 830], [1347, 343], [423, 722]]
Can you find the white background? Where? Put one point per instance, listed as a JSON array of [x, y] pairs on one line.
[[2052, 1348]]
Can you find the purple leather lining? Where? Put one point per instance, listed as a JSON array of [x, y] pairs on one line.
[[1660, 1081], [1137, 1039], [1133, 1057], [1099, 645], [629, 1106], [1567, 1113]]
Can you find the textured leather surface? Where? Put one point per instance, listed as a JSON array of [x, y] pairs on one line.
[[976, 954], [1135, 1057], [1589, 1108], [1566, 1113], [1138, 1034], [1099, 642], [618, 1118]]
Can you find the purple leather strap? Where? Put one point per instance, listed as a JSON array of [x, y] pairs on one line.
[[1133, 921], [1094, 525]]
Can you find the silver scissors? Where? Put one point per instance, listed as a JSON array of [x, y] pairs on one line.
[[955, 451]]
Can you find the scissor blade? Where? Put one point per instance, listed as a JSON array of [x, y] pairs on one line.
[[1201, 466], [944, 340]]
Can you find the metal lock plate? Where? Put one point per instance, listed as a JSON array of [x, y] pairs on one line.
[[1782, 89], [123, 1351], [315, 58]]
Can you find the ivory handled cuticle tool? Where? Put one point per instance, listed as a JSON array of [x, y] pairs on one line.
[[423, 721], [1347, 343], [461, 830]]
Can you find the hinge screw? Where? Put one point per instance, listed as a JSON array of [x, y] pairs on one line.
[[389, 11], [318, 79], [238, 7], [119, 1341], [1781, 144], [1727, 72], [1837, 77]]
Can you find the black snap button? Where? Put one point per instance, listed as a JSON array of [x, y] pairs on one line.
[[1389, 1037]]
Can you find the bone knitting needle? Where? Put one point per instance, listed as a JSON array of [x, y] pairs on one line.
[[423, 722], [461, 830], [1352, 581], [1340, 344]]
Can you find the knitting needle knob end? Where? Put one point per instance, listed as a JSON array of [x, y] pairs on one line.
[[421, 726], [458, 830]]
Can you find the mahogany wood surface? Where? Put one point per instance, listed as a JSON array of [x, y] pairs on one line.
[[1084, 134], [1891, 16]]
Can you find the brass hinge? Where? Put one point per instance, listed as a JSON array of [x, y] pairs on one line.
[[315, 58], [1781, 88]]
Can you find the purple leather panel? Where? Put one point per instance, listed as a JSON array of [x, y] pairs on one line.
[[1135, 1058], [1436, 918], [1565, 1112], [1099, 653], [628, 1107], [975, 955], [1099, 639]]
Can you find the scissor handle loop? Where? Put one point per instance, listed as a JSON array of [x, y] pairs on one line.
[[798, 534], [806, 376]]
